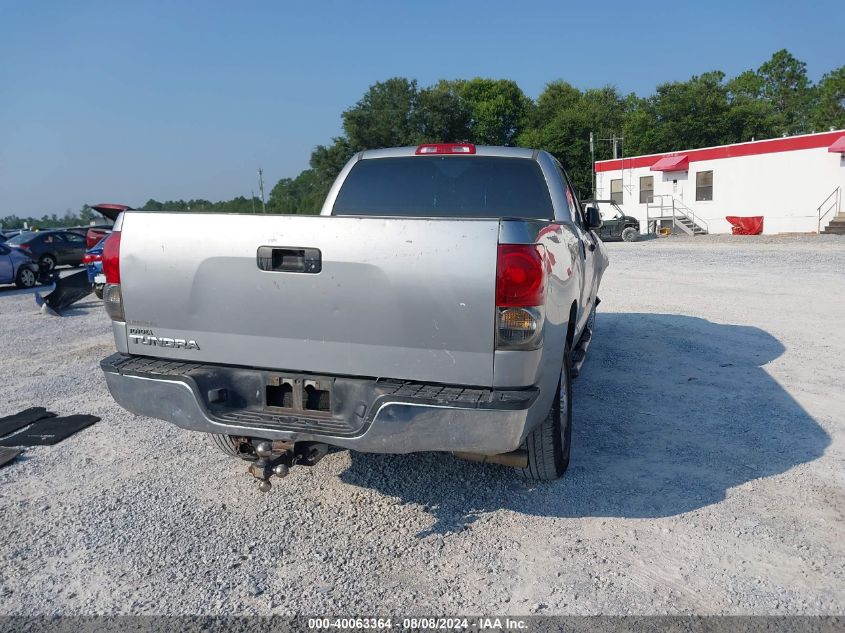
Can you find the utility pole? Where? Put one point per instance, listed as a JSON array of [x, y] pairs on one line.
[[593, 162], [261, 187], [252, 199], [617, 141]]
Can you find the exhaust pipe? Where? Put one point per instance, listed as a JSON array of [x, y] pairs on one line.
[[514, 459]]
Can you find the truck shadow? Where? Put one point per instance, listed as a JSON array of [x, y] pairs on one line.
[[670, 412]]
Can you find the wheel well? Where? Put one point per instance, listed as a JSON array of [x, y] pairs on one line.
[[570, 329]]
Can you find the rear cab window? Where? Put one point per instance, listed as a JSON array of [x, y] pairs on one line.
[[445, 186]]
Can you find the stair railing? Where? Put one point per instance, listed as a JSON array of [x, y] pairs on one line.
[[835, 200], [671, 208], [685, 210]]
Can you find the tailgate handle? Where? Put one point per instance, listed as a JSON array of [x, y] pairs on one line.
[[287, 259]]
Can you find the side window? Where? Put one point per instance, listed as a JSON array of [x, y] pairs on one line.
[[646, 189], [572, 201], [616, 190], [74, 238], [579, 212], [704, 186]]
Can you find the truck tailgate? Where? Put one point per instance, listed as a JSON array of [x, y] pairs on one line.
[[399, 298]]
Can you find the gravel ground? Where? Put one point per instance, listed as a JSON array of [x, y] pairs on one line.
[[707, 473]]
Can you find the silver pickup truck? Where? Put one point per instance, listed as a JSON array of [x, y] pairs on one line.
[[443, 300]]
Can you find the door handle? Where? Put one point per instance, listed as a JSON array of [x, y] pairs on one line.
[[288, 259]]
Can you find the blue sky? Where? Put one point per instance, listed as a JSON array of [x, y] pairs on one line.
[[120, 102]]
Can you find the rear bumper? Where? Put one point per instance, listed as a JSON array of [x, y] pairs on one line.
[[375, 416]]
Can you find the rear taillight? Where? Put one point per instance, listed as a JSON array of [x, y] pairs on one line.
[[112, 297], [445, 148], [113, 301], [111, 258], [520, 276], [520, 295], [24, 247], [90, 258]]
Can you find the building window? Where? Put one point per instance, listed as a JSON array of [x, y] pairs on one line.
[[704, 186], [616, 190], [646, 189]]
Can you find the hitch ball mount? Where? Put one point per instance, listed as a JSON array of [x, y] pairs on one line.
[[278, 457]]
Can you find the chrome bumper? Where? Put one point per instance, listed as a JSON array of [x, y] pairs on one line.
[[391, 424]]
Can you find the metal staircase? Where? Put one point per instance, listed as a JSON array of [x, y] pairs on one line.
[[833, 203], [666, 211]]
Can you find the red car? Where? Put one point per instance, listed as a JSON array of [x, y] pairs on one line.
[[96, 233]]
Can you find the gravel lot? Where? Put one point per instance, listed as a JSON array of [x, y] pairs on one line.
[[707, 473]]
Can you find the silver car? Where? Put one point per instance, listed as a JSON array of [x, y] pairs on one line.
[[17, 268]]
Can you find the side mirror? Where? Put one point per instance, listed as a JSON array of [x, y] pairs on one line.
[[593, 218]]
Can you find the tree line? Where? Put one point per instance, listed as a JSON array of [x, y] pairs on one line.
[[775, 99], [709, 109], [83, 217]]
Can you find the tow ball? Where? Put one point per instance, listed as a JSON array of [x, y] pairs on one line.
[[278, 457], [274, 458]]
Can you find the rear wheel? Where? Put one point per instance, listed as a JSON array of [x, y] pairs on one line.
[[25, 278], [549, 444], [630, 234], [98, 290], [230, 445], [47, 263]]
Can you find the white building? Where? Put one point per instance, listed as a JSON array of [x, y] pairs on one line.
[[790, 181]]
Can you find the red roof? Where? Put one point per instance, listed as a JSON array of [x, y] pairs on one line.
[[672, 163], [769, 146], [838, 145]]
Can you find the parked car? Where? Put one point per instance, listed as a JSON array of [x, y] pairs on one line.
[[108, 210], [93, 262], [17, 268], [51, 248], [615, 224], [443, 301]]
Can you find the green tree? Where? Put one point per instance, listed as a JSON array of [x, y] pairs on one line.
[[303, 194], [787, 88], [829, 108], [384, 117], [152, 205], [498, 109], [556, 96], [750, 116], [566, 117], [87, 215], [442, 115], [680, 115]]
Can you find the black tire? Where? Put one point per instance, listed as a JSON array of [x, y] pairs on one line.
[[548, 446], [98, 290], [591, 320], [229, 445], [47, 263], [630, 234], [25, 278]]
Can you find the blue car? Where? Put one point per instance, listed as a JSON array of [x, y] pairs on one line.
[[17, 268], [93, 262]]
